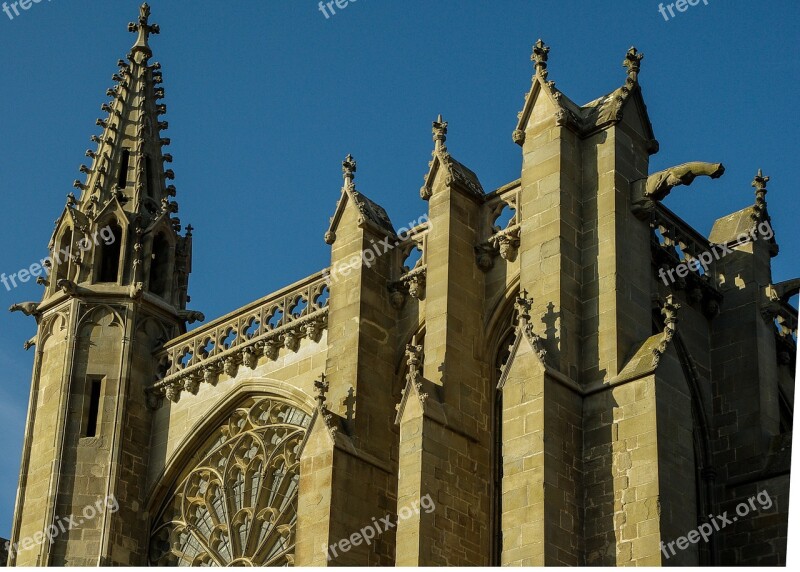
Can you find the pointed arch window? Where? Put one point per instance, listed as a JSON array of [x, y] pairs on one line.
[[124, 163], [159, 270], [237, 505], [501, 360], [61, 256], [148, 177], [110, 254]]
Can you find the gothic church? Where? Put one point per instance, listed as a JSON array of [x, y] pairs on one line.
[[517, 359]]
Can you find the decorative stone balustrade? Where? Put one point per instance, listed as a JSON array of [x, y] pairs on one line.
[[262, 328]]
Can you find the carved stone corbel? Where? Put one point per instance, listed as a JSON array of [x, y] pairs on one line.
[[230, 365], [249, 358], [192, 384], [291, 340], [484, 256], [173, 393], [507, 243], [272, 349], [211, 374]]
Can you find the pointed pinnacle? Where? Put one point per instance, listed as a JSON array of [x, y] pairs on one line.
[[760, 182], [539, 55], [349, 168], [439, 132], [632, 62]]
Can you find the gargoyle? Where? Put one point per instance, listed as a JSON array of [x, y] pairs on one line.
[[69, 288], [191, 316], [27, 308], [646, 192], [787, 289], [30, 343]]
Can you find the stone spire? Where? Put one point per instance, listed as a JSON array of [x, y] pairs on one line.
[[127, 188], [128, 162]]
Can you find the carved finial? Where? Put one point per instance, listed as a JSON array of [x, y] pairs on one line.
[[522, 305], [413, 355], [760, 185], [440, 133], [349, 168], [322, 386], [632, 62], [189, 229], [539, 55], [670, 313], [414, 362], [144, 29]]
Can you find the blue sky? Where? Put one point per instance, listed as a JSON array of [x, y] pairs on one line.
[[265, 99]]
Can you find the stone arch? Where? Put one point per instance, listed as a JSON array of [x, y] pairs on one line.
[[101, 315], [61, 256], [500, 332], [500, 318], [53, 328], [229, 494], [160, 274], [109, 258]]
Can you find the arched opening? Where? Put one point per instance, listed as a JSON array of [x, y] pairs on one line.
[[148, 177], [61, 256], [122, 176], [110, 252], [159, 269], [502, 353], [251, 462]]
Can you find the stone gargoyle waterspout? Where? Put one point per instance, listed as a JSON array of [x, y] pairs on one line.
[[646, 192]]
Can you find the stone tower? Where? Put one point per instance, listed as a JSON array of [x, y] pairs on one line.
[[117, 288]]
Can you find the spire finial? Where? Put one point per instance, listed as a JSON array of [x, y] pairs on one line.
[[349, 170], [760, 185], [321, 386], [632, 62], [144, 28], [539, 55], [440, 133], [522, 305]]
